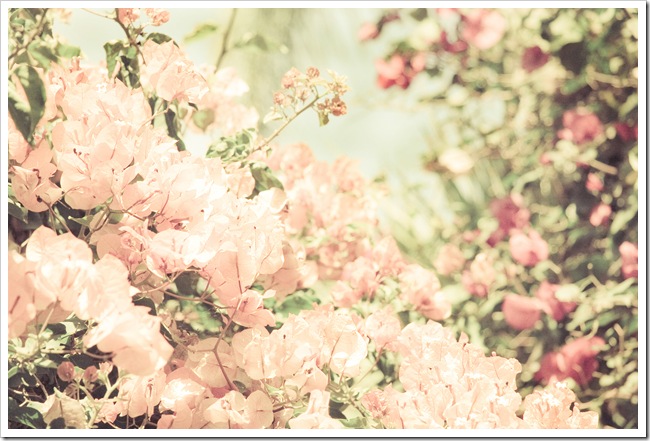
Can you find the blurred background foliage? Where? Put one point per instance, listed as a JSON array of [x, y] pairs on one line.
[[473, 125]]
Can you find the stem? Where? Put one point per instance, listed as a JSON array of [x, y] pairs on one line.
[[603, 167], [287, 122], [224, 42]]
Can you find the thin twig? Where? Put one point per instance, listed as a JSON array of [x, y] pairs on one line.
[[224, 42], [287, 122], [37, 31]]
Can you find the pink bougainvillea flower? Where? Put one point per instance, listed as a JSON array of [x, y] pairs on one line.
[[594, 183], [528, 249], [629, 260], [600, 215], [421, 288], [483, 28], [576, 360], [480, 276], [450, 260], [580, 126], [158, 16], [511, 214], [317, 414], [139, 395], [550, 408], [126, 16], [533, 58], [521, 312], [383, 327], [170, 74], [551, 305], [398, 70]]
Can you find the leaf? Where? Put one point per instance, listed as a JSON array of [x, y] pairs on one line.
[[568, 293], [203, 118], [26, 415], [264, 177], [67, 408], [67, 51], [573, 56], [201, 31], [42, 54], [159, 38], [17, 211], [355, 423], [26, 115], [622, 219], [172, 128], [251, 40], [113, 50]]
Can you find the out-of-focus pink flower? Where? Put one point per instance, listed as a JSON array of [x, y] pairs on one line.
[[511, 214], [450, 260], [551, 305], [521, 312], [533, 58], [600, 215], [368, 31], [398, 70], [421, 288], [126, 16], [580, 126], [575, 360], [627, 132], [158, 16], [480, 276], [528, 249], [594, 183], [453, 47], [483, 28], [629, 260]]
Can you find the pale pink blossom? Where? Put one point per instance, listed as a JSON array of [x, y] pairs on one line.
[[170, 73], [383, 327], [480, 276], [421, 288], [450, 260], [594, 183], [549, 408], [317, 414]]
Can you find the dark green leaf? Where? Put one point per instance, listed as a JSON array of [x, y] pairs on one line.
[[18, 211], [573, 56], [26, 115], [159, 38], [113, 50], [146, 301], [172, 128], [26, 415], [42, 54], [203, 118], [355, 423], [264, 177]]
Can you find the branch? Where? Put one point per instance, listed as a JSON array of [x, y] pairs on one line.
[[226, 35]]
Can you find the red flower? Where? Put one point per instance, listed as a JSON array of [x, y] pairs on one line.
[[533, 58], [528, 249], [629, 260], [575, 360], [580, 126], [521, 312], [626, 132]]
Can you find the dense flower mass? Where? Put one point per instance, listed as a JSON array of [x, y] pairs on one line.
[[156, 282]]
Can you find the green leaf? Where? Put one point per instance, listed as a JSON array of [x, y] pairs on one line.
[[201, 31], [622, 219], [26, 115], [67, 51], [18, 211], [203, 118], [159, 38], [251, 40], [113, 50], [264, 177], [26, 415], [172, 128], [355, 423], [42, 54]]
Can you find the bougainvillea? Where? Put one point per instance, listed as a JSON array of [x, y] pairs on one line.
[[252, 285]]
